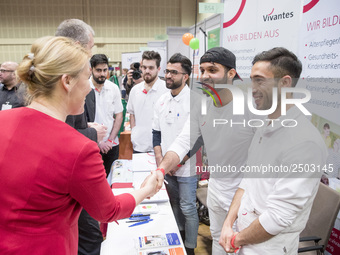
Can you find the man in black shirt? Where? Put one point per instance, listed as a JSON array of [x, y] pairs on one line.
[[12, 91]]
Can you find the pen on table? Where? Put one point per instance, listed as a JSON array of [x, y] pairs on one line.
[[139, 215], [141, 218], [131, 221], [140, 223]]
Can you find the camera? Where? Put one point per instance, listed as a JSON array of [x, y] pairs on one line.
[[137, 73]]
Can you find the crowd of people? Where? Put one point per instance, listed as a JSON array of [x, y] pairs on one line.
[[55, 196]]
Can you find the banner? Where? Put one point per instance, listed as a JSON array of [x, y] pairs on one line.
[[319, 50], [214, 38], [250, 27]]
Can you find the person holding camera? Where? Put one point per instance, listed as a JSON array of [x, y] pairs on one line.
[[141, 102], [133, 76]]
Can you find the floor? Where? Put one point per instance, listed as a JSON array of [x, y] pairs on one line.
[[203, 240]]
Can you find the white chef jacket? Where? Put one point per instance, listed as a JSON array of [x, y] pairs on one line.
[[108, 103], [170, 114], [141, 104], [282, 201]]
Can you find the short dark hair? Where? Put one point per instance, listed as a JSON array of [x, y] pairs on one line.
[[283, 62], [152, 55], [99, 59], [326, 126], [185, 62]]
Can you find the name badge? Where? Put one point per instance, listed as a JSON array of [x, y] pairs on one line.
[[170, 118], [6, 106]]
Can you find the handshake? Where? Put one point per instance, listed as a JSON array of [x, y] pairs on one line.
[[154, 181]]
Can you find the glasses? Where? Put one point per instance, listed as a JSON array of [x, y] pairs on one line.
[[172, 72], [6, 71]]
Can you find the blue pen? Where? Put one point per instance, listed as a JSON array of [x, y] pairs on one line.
[[140, 218], [140, 223], [131, 221], [138, 215]]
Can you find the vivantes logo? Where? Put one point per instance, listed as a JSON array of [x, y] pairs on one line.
[[271, 16]]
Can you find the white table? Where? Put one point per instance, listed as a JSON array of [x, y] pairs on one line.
[[123, 240]]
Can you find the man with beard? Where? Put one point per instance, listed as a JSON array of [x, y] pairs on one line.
[[109, 108], [170, 113], [142, 99], [12, 91], [226, 145]]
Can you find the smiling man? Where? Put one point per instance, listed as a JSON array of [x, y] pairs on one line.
[[272, 210], [225, 145], [171, 111], [142, 99]]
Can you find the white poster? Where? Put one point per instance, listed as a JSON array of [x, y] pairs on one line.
[[130, 57], [319, 50], [250, 27]]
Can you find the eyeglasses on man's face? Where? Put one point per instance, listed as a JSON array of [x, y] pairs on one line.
[[172, 72], [6, 71]]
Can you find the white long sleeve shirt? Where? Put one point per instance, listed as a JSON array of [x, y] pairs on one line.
[[282, 200], [226, 144]]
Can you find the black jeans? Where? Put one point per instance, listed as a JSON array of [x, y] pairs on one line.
[[90, 236], [109, 157]]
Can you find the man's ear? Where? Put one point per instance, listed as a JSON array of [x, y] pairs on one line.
[[286, 81], [187, 78], [231, 74], [65, 82]]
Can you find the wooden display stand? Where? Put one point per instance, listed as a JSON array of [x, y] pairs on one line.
[[125, 145]]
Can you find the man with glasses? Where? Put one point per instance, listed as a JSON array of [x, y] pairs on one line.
[[142, 98], [12, 91], [171, 111]]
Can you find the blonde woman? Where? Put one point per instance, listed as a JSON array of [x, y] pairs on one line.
[[48, 170]]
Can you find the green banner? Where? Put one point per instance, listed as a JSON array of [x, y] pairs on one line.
[[161, 37], [214, 38], [211, 7]]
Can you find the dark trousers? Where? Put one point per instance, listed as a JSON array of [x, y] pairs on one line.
[[90, 236], [109, 157]]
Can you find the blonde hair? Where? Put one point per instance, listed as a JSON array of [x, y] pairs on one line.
[[50, 58]]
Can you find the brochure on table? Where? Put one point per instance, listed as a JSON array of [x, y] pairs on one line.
[[124, 178], [143, 162]]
